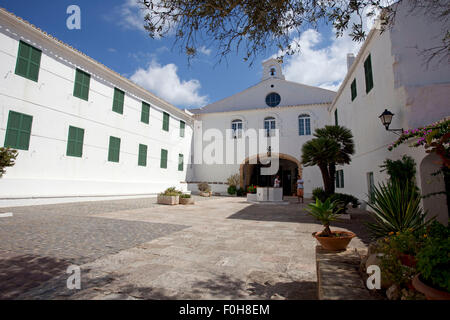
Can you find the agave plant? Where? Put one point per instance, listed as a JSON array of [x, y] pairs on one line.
[[325, 212], [396, 208]]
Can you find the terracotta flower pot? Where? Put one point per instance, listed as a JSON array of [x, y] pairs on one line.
[[335, 243], [429, 292]]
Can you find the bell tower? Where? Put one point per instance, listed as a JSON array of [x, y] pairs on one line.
[[272, 69]]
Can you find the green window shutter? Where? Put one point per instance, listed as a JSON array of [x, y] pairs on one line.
[[353, 89], [368, 74], [28, 61], [114, 149], [180, 162], [166, 119], [75, 142], [182, 128], [336, 120], [145, 113], [18, 131], [163, 159], [142, 158], [81, 86], [119, 97], [342, 178]]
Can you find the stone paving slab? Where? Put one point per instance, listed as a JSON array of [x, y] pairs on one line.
[[231, 250]]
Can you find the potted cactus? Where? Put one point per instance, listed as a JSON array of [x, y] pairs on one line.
[[326, 212]]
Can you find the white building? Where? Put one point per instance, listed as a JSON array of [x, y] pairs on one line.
[[43, 99], [80, 128]]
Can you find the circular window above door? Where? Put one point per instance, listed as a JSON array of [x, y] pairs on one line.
[[273, 99]]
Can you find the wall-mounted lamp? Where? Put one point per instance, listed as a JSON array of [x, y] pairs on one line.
[[386, 119]]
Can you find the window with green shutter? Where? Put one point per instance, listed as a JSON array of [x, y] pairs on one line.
[[180, 162], [75, 142], [353, 89], [166, 119], [182, 128], [28, 61], [145, 113], [163, 159], [142, 158], [114, 149], [81, 87], [18, 131], [336, 120], [368, 74], [340, 179], [119, 97]]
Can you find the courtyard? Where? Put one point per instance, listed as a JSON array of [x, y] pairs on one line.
[[219, 248]]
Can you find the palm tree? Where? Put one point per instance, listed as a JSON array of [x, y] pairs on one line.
[[332, 145]]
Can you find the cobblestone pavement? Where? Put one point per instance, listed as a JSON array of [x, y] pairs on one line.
[[223, 248]]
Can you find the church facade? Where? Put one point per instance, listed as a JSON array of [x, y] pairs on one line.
[[83, 130]]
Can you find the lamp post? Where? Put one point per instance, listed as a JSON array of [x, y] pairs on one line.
[[386, 119]]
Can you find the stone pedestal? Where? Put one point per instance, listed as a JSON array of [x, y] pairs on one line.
[[269, 194]]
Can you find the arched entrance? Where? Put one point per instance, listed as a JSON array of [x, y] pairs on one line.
[[436, 205], [289, 168]]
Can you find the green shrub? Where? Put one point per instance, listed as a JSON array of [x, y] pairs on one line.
[[171, 192], [344, 200], [319, 193], [433, 259], [251, 189], [185, 196], [7, 159], [234, 180], [203, 187], [231, 190], [396, 208], [240, 192]]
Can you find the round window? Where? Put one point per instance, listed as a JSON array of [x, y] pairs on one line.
[[273, 99]]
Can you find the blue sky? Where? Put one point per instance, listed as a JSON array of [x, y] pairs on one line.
[[113, 34]]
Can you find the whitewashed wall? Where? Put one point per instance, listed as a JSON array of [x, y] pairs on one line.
[[290, 140], [45, 170]]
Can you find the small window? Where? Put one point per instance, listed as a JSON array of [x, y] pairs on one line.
[[270, 126], [304, 125], [182, 128], [163, 159], [368, 74], [75, 142], [28, 61], [353, 90], [142, 158], [236, 127], [145, 113], [371, 187], [336, 120], [180, 162], [18, 131], [118, 101], [114, 149], [340, 179], [166, 119], [273, 99], [81, 86]]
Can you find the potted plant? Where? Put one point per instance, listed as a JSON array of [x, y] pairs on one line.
[[325, 213], [169, 197], [205, 189], [251, 193], [186, 199], [231, 190], [433, 262]]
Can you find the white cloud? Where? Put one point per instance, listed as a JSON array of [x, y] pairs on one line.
[[204, 50], [322, 62], [165, 83]]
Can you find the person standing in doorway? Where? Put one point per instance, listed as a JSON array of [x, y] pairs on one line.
[[300, 189], [277, 182]]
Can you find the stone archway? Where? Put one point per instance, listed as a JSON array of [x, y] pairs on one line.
[[247, 165]]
